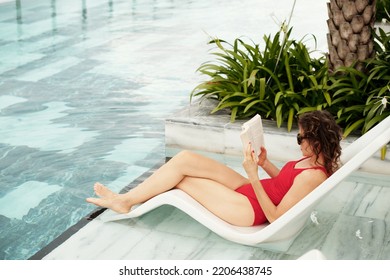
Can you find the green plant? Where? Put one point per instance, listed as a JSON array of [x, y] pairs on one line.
[[359, 99], [348, 88], [276, 82], [283, 80]]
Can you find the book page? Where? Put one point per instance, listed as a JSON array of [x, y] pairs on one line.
[[252, 131]]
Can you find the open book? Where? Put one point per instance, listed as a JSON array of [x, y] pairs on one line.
[[252, 132]]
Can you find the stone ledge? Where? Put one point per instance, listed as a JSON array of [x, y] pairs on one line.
[[194, 128]]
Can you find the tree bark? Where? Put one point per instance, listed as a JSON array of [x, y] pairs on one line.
[[350, 39]]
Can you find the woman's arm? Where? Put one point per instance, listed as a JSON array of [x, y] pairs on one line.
[[304, 183], [267, 165]]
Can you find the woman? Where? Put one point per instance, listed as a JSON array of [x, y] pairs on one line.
[[234, 198]]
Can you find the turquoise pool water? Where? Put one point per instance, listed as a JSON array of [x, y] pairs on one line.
[[85, 87], [77, 105]]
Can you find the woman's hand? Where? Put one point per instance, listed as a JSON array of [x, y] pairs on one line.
[[250, 163], [262, 157]]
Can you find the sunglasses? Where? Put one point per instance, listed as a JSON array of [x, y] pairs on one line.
[[300, 138]]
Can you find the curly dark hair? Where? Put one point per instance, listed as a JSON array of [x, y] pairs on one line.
[[324, 135]]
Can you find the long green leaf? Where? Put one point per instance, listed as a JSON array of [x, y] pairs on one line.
[[290, 119], [262, 88], [277, 97], [353, 127], [372, 122], [233, 114], [279, 115], [288, 72], [328, 98], [250, 105]]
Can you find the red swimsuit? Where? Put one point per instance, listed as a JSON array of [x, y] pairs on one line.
[[275, 187]]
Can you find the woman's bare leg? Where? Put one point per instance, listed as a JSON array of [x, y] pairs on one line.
[[185, 164], [225, 203]]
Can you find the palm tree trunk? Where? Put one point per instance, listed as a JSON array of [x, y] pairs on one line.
[[350, 36]]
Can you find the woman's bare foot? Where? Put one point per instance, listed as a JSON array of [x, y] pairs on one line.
[[109, 199], [102, 191]]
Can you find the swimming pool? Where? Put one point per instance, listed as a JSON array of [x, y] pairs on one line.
[[85, 87]]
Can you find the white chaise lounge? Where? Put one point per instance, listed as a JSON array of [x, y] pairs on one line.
[[279, 234]]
